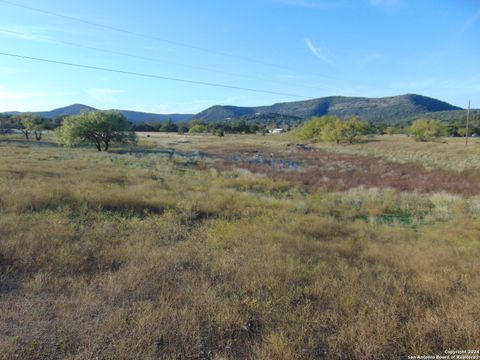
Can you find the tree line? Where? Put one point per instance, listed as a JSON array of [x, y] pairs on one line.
[[30, 124], [331, 128], [101, 128], [199, 126]]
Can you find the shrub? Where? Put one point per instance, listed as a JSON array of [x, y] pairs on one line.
[[313, 129], [198, 129], [425, 130], [332, 129], [352, 128], [169, 126], [219, 132]]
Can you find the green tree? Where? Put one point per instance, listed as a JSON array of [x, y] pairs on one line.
[[169, 126], [352, 128], [425, 130], [30, 123], [100, 128], [219, 132], [182, 128], [4, 121], [390, 130], [462, 131], [198, 129], [313, 129], [333, 130], [253, 128], [239, 126], [35, 125]]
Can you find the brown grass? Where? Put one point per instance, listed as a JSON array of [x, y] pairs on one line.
[[109, 256], [445, 153], [340, 172]]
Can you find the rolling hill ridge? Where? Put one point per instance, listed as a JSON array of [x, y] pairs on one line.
[[393, 109], [136, 117], [386, 109]]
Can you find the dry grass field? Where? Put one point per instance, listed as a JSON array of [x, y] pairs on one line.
[[243, 247]]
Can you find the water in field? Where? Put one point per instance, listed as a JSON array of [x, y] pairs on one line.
[[255, 159], [259, 159]]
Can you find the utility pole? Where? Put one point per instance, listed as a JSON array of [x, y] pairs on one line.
[[468, 118]]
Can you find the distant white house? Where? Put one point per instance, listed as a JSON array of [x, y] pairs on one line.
[[276, 131]]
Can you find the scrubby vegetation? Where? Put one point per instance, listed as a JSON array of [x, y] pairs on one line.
[[425, 130], [332, 129], [388, 109], [118, 255], [198, 126]]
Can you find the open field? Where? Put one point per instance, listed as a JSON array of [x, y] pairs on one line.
[[250, 247], [446, 153]]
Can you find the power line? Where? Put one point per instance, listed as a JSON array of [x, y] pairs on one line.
[[157, 38], [133, 73], [120, 53]]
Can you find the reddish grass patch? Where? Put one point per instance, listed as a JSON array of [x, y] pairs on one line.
[[339, 172]]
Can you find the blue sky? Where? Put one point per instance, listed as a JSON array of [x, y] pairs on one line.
[[310, 48]]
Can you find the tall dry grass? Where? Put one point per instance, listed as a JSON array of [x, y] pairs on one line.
[[109, 256], [446, 153]]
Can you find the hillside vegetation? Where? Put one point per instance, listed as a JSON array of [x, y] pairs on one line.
[[200, 247], [387, 109]]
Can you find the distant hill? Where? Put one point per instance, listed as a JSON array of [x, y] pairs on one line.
[[138, 117], [448, 116], [135, 117], [73, 109], [9, 113], [270, 118], [394, 109], [225, 112], [387, 109]]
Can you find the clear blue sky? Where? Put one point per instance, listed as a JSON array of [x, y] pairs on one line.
[[311, 48]]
